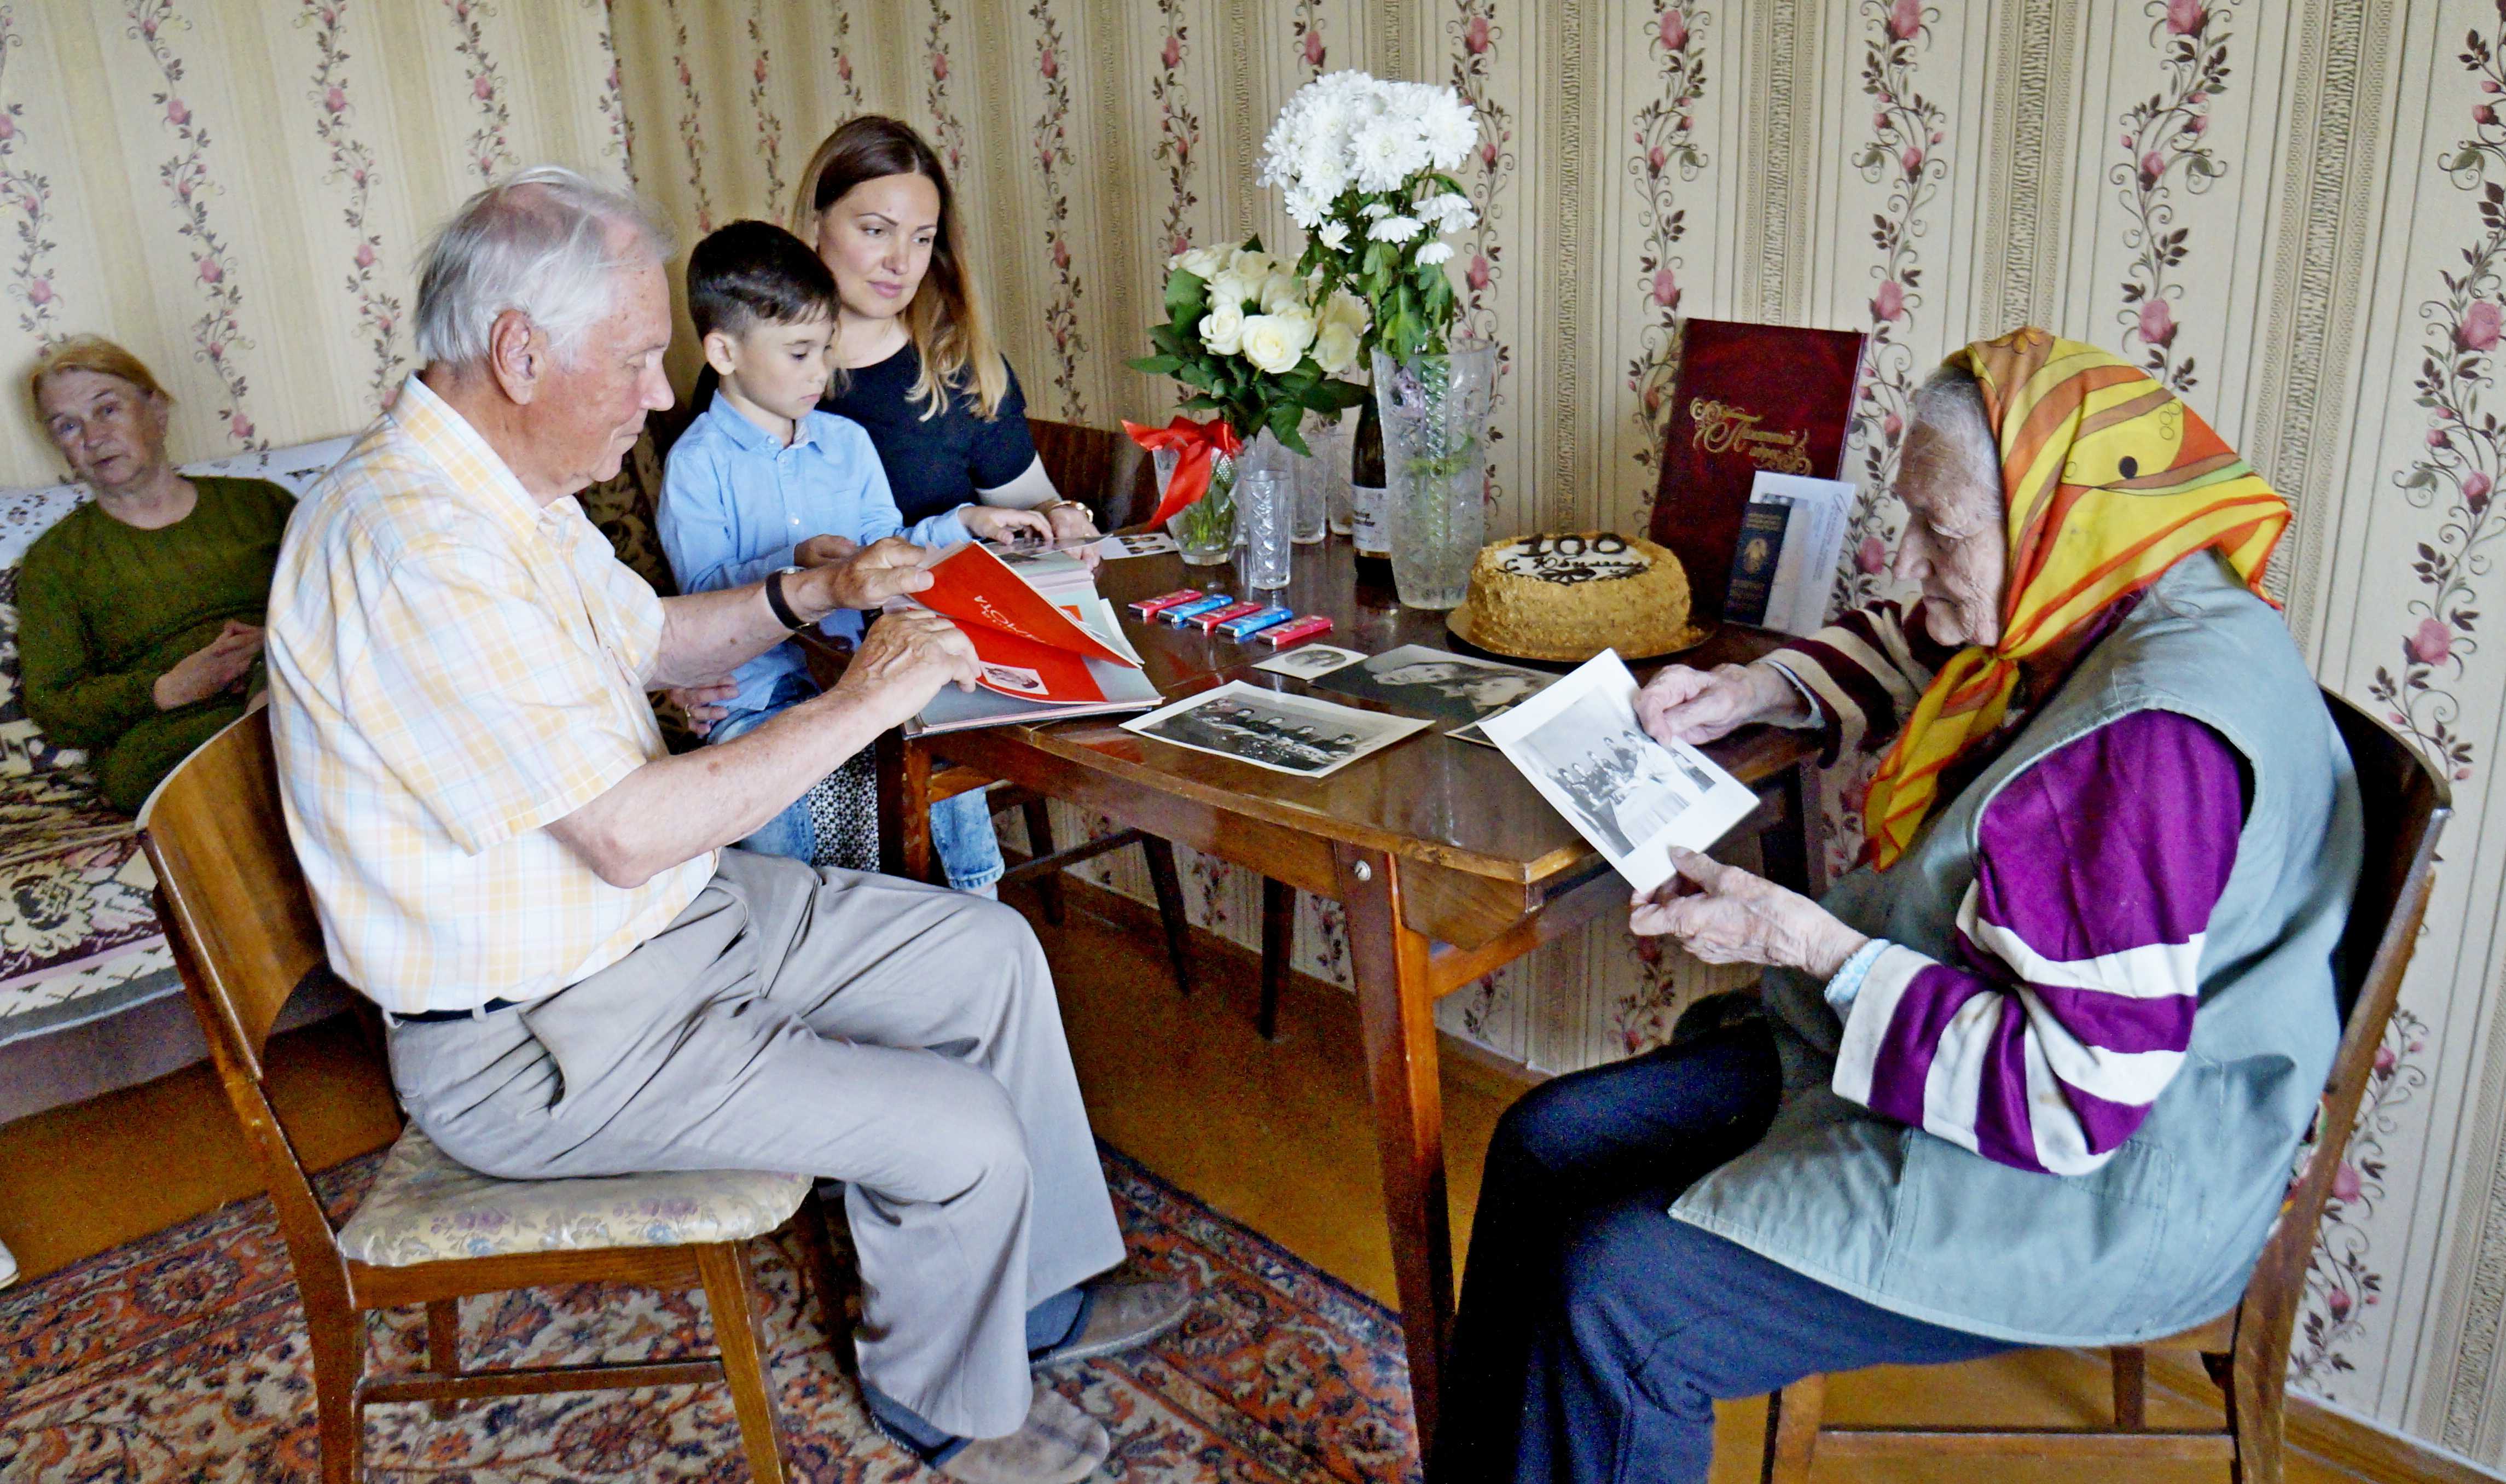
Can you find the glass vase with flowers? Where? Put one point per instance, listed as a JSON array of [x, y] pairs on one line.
[[1258, 345], [1365, 167]]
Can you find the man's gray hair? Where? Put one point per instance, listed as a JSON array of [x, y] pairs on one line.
[[547, 241], [1951, 403]]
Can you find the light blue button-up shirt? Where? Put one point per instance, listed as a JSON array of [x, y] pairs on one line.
[[734, 504]]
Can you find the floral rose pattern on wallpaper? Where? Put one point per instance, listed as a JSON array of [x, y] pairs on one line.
[[840, 51], [2340, 1284], [613, 93], [2456, 472], [491, 151], [352, 167], [218, 334], [1307, 30], [770, 129], [28, 196], [1667, 154], [1178, 127], [691, 120], [1476, 35], [2166, 138], [1053, 157], [934, 90]]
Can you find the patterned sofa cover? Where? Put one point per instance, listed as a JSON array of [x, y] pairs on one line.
[[88, 997]]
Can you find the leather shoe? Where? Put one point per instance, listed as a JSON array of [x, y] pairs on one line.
[[1121, 1316], [1057, 1444]]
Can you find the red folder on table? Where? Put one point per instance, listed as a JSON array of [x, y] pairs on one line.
[[1748, 397]]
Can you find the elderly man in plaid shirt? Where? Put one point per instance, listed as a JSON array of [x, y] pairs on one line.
[[579, 977]]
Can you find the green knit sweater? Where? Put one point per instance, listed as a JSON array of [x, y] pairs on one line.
[[104, 608]]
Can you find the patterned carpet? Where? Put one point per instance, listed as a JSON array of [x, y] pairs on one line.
[[183, 1357]]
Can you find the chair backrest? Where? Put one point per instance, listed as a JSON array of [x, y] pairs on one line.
[[2405, 803], [1099, 468], [235, 895]]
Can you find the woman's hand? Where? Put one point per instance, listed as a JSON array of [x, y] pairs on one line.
[[218, 665], [1725, 916], [702, 704], [991, 522], [1695, 706], [1072, 520]]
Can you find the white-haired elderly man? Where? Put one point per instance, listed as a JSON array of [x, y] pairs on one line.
[[580, 978]]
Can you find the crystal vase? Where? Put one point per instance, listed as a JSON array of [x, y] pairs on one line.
[[1204, 530], [1435, 412]]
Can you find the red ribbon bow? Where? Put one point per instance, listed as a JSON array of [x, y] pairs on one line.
[[1194, 443]]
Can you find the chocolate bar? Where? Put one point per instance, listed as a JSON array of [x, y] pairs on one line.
[[1254, 623], [1303, 628], [1218, 616], [1149, 608], [1184, 613]]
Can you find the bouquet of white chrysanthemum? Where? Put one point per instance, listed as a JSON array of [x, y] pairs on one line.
[[1256, 341], [1364, 164]]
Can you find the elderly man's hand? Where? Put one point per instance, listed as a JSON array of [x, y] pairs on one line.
[[1696, 706], [904, 661], [820, 551], [865, 579], [1725, 916]]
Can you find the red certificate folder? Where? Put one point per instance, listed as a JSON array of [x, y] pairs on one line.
[[1748, 397], [1037, 654]]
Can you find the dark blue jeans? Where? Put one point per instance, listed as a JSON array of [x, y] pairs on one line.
[[1594, 1331]]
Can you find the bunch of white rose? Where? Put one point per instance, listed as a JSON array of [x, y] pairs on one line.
[[1364, 166], [1259, 308]]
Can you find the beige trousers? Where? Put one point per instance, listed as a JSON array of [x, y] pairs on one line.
[[899, 1038]]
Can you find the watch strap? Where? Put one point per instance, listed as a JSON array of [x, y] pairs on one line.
[[782, 606]]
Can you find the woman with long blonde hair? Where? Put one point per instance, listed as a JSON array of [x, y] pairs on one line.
[[919, 367]]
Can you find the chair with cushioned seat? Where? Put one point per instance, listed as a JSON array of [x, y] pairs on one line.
[[2246, 1351], [429, 1230]]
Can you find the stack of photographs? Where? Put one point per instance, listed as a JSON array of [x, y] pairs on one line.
[[1271, 729]]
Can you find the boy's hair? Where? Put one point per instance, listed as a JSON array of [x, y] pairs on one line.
[[753, 273]]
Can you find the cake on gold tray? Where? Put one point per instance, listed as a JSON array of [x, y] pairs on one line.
[[1569, 595]]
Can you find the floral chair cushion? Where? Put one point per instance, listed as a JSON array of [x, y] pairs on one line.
[[424, 1207]]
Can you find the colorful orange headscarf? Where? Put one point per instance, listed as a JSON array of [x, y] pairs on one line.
[[2107, 480]]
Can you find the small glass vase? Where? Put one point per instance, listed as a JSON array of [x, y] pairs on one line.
[[1435, 412], [1316, 473], [1204, 531]]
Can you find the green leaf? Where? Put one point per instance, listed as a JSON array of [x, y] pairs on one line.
[[1159, 366], [1187, 294], [1283, 419]]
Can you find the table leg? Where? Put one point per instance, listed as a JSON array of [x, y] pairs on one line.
[[1399, 1007], [904, 808]]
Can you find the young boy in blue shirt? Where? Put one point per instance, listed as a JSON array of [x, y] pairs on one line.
[[762, 481]]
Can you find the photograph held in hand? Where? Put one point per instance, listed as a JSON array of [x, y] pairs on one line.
[[1632, 797]]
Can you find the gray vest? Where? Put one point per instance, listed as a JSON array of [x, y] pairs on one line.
[[2163, 1237]]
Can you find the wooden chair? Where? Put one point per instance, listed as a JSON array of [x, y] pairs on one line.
[[245, 938], [2245, 1350]]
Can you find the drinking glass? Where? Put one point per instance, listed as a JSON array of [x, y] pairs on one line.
[[1315, 480], [1266, 502]]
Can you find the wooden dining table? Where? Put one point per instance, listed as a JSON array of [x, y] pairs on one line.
[[1448, 863]]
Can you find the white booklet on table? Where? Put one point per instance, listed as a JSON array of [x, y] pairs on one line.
[[1633, 797]]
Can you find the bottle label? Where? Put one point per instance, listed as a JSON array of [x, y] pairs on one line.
[[1366, 520]]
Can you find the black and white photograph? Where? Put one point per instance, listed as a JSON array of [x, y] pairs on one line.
[[1023, 681], [1437, 684], [1285, 733], [1307, 660], [1580, 745], [1114, 548]]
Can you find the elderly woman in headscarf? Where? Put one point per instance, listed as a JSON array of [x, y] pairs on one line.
[[2035, 1073], [139, 614]]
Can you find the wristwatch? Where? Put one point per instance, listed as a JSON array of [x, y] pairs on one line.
[[782, 605]]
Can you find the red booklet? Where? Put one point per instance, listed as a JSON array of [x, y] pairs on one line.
[[1030, 648], [1749, 397]]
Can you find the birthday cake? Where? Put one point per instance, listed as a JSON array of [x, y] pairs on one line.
[[1569, 595]]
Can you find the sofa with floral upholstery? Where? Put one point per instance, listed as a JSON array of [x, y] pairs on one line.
[[89, 1000]]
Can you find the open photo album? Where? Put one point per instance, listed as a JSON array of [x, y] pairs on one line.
[[1051, 645]]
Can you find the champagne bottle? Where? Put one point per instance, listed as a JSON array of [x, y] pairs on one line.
[[1366, 500]]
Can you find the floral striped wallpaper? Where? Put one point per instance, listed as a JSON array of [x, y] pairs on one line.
[[237, 189], [2296, 213]]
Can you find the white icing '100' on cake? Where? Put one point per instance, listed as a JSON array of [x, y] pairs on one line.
[[1569, 595]]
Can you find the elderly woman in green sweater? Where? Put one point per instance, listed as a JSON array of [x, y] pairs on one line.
[[139, 614]]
